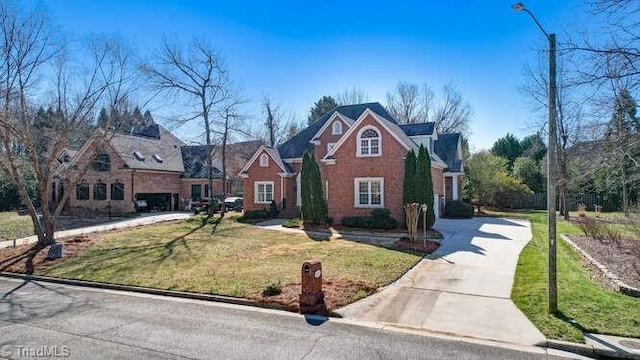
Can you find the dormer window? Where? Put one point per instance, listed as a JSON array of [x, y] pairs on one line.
[[157, 158], [264, 160], [139, 156], [369, 142], [336, 128], [101, 162]]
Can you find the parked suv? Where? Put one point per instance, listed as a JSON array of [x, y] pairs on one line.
[[233, 203]]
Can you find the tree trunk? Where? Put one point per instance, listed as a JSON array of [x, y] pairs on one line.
[[625, 195]]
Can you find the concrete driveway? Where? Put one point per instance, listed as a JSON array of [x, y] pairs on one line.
[[463, 288]]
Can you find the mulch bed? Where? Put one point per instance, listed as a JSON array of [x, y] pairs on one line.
[[621, 257], [336, 295], [14, 259], [419, 246]]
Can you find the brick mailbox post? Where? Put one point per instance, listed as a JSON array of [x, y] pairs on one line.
[[312, 297]]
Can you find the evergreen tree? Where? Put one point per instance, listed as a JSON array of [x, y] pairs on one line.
[[408, 185], [314, 205], [622, 144], [147, 119], [318, 200], [137, 119], [321, 107], [508, 147], [103, 118], [424, 184], [305, 188]]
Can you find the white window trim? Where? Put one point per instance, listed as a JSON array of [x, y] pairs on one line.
[[264, 160], [358, 142], [356, 192], [336, 130], [255, 192], [330, 147]]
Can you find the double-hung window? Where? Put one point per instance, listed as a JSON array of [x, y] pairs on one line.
[[263, 192], [369, 192]]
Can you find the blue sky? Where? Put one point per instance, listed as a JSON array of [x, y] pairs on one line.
[[297, 51]]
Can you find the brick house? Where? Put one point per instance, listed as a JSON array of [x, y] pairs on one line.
[[360, 150], [148, 169]]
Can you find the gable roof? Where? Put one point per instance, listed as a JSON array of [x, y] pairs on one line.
[[391, 127], [331, 120], [158, 153], [446, 147], [296, 146], [418, 129], [275, 156]]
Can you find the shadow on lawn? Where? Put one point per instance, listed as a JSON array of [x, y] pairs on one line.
[[571, 321], [157, 252]]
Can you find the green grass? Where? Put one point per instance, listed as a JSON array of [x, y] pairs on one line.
[[14, 226], [583, 305], [237, 260]]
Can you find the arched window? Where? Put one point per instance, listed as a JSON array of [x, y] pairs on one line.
[[264, 160], [369, 142], [101, 162], [336, 128]]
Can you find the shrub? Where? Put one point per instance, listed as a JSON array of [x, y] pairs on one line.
[[292, 223], [612, 233], [458, 209], [380, 213], [254, 214], [273, 210], [592, 228], [379, 219], [272, 289]]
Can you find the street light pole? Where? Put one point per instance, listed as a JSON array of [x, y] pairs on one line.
[[552, 157]]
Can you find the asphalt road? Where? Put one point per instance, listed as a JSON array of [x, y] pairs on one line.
[[38, 318]]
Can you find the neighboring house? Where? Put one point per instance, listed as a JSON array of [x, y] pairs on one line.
[[360, 150], [149, 169]]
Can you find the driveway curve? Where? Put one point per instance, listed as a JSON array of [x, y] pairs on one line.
[[463, 288]]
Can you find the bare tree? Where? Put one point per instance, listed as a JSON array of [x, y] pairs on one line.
[[453, 113], [613, 51], [352, 96], [29, 48], [409, 103], [404, 103], [230, 120], [196, 75], [570, 109], [278, 126]]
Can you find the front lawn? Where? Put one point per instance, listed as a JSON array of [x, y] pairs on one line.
[[237, 260], [583, 305], [14, 226]]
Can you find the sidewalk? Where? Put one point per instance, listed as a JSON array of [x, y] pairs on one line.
[[463, 288], [121, 224]]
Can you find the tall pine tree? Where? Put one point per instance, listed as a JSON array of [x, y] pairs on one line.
[[424, 185], [305, 188], [319, 202], [314, 205]]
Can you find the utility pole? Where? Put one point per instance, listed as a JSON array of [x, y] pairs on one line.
[[552, 157]]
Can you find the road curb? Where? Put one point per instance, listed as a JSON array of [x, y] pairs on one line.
[[576, 348], [588, 350], [144, 290]]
